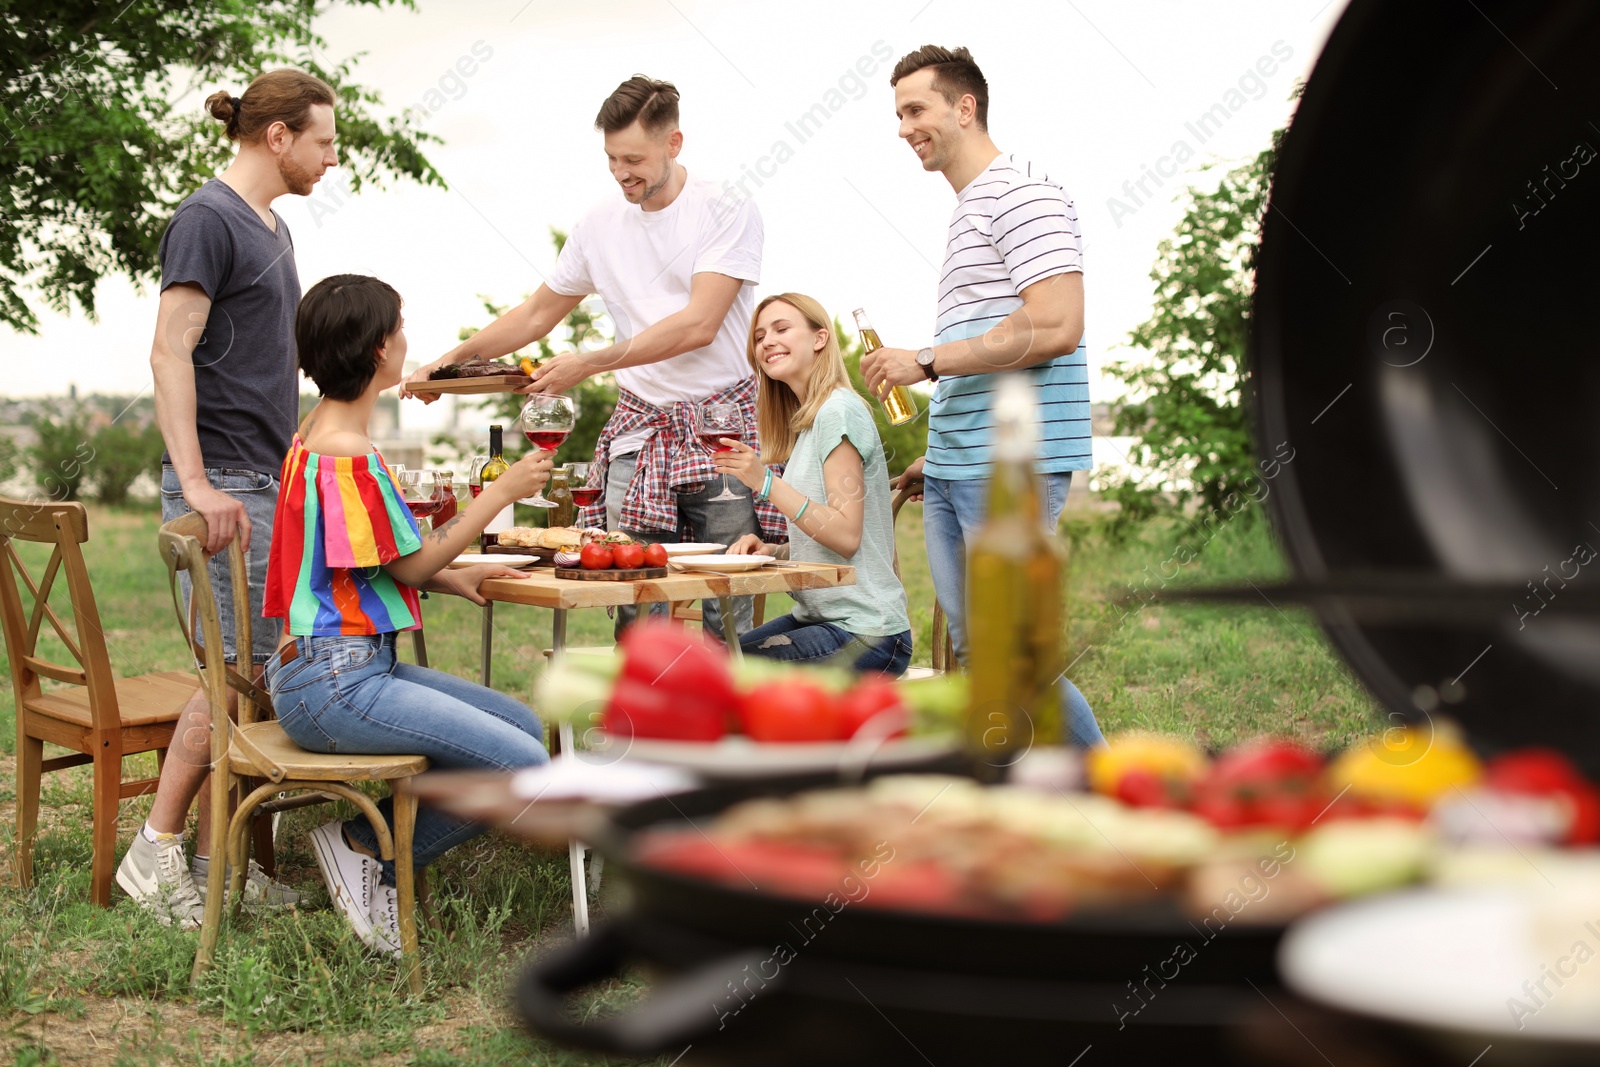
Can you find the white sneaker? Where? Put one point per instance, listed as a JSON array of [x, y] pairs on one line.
[[259, 888], [157, 876], [351, 877], [386, 919]]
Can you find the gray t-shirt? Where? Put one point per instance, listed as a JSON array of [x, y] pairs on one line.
[[246, 377], [876, 605]]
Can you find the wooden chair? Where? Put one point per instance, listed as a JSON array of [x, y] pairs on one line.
[[99, 716], [259, 749]]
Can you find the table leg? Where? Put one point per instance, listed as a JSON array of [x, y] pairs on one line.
[[569, 751], [488, 641], [730, 627]]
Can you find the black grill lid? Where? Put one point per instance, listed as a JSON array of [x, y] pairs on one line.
[[1424, 340]]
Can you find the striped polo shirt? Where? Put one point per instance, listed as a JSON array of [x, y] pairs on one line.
[[339, 520], [1012, 226]]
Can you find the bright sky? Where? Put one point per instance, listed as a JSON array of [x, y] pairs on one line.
[[1100, 92]]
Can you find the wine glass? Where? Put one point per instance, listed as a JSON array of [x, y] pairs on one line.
[[546, 420], [717, 421], [583, 494], [421, 492], [475, 474]]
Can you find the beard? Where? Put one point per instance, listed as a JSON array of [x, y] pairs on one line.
[[652, 190], [296, 178]]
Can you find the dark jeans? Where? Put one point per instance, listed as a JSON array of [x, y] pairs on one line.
[[702, 519], [787, 638], [351, 695]]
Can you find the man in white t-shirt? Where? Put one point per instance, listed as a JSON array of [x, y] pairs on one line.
[[676, 262], [1010, 301]]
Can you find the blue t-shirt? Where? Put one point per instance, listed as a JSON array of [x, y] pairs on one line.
[[1012, 227]]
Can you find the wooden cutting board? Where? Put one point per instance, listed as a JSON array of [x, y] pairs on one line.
[[579, 575], [492, 383]]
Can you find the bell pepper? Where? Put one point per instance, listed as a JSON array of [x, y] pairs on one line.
[[672, 685], [1405, 771], [1146, 770], [1544, 772], [1262, 783]]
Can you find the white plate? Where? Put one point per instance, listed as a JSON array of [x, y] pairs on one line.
[[1446, 959], [693, 548], [505, 559], [724, 563], [737, 756]]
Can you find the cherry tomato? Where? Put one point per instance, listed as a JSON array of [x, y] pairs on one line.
[[655, 555], [792, 710], [595, 556], [865, 701], [627, 557]]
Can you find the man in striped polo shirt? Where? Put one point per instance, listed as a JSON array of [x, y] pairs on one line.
[[1010, 302]]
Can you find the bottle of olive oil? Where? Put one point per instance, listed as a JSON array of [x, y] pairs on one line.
[[1014, 600]]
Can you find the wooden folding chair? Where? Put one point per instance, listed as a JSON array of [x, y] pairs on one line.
[[259, 749], [99, 716]]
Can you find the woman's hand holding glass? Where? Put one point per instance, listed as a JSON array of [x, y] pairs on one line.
[[527, 476], [741, 461]]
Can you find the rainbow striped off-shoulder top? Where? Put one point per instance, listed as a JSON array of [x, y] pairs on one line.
[[339, 519]]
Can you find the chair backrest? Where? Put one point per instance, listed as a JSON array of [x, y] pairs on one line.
[[182, 546], [65, 527]]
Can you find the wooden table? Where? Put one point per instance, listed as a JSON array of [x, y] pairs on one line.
[[544, 590]]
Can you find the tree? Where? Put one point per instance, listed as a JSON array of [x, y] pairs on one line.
[[122, 452], [63, 454], [901, 444], [102, 132], [585, 329], [1186, 400]]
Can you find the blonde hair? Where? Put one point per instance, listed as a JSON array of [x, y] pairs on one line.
[[780, 416]]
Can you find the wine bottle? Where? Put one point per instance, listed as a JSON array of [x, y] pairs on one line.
[[1014, 601], [898, 404], [496, 466]]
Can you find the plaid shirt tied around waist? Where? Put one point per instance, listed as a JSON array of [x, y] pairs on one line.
[[671, 462]]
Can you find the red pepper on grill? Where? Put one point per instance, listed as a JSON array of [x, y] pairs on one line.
[[1262, 783], [1545, 772]]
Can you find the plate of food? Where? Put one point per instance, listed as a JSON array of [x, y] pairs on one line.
[[473, 376], [694, 548], [722, 563], [472, 559]]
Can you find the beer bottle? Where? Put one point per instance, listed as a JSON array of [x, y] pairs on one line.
[[898, 404]]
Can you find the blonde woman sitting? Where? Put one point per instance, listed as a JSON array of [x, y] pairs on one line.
[[834, 493]]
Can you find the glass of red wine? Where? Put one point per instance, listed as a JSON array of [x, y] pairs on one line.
[[583, 494], [546, 420], [717, 421], [422, 493]]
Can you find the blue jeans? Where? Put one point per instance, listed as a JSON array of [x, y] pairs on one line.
[[350, 694], [953, 511], [704, 520], [259, 494], [788, 638]]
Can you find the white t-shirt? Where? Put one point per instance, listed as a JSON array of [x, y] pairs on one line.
[[642, 264]]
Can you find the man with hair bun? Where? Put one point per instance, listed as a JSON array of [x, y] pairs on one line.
[[227, 401], [676, 265], [1010, 301]]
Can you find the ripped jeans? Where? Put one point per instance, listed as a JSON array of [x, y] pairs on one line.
[[787, 638]]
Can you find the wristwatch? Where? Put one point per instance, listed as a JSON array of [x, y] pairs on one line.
[[925, 361]]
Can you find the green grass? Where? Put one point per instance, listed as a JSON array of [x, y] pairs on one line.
[[79, 984]]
